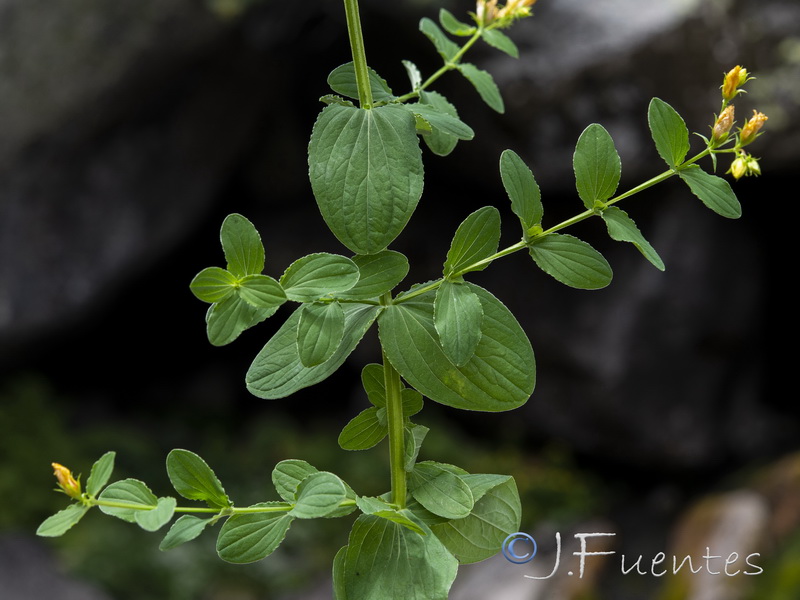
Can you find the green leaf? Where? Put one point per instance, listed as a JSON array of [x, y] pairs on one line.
[[343, 81], [484, 84], [442, 121], [500, 375], [100, 474], [365, 430], [457, 315], [59, 523], [366, 171], [713, 191], [597, 166], [440, 491], [412, 402], [378, 273], [185, 529], [446, 48], [246, 538], [399, 562], [413, 436], [287, 476], [453, 25], [374, 385], [319, 332], [261, 291], [130, 492], [622, 229], [339, 592], [439, 142], [153, 520], [571, 261], [277, 370], [380, 508], [226, 320], [317, 275], [495, 516], [475, 239], [213, 284], [193, 479], [242, 245], [498, 39], [414, 76], [522, 189], [318, 495], [669, 132]]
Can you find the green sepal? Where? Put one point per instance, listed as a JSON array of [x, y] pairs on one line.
[[522, 189], [193, 479], [318, 495], [497, 39], [446, 48], [669, 132], [61, 522], [571, 261], [316, 275], [597, 166], [715, 192], [246, 538], [242, 246], [364, 431], [453, 25], [100, 473], [319, 332], [213, 284], [378, 273], [185, 529], [457, 315], [440, 491], [130, 492], [623, 229], [476, 238], [342, 80], [484, 84]]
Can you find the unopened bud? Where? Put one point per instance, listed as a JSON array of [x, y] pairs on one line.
[[516, 9], [751, 128], [486, 12], [723, 125], [734, 79], [70, 486]]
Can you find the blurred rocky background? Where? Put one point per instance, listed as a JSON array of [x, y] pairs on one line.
[[129, 129]]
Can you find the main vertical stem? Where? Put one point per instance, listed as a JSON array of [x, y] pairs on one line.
[[359, 54], [394, 418]]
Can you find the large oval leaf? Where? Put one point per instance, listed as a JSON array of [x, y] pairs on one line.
[[246, 538], [500, 375], [277, 371], [365, 168]]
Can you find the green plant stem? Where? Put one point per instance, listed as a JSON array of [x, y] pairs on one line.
[[394, 417], [358, 52]]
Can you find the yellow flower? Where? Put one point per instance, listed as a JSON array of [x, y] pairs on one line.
[[70, 486], [751, 128], [723, 125], [734, 79]]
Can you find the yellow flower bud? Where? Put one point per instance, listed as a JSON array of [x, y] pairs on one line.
[[734, 79], [723, 125], [486, 11], [751, 128], [753, 168], [69, 485], [738, 168]]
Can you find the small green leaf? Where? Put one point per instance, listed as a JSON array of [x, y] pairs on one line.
[[522, 189], [59, 523], [374, 385], [484, 84], [366, 173], [378, 273], [317, 275], [442, 121], [439, 142], [457, 315], [475, 239], [318, 495], [597, 166], [185, 529], [246, 538], [380, 508], [622, 229], [339, 592], [412, 402], [193, 479], [242, 245], [100, 474], [153, 520], [715, 192], [498, 39], [446, 48], [440, 491], [132, 493], [288, 474], [669, 132], [277, 370], [414, 76], [413, 435], [226, 320], [213, 284], [343, 81], [319, 332], [571, 261], [365, 430], [453, 25], [261, 291]]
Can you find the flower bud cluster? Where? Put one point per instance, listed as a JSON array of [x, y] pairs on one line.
[[488, 13]]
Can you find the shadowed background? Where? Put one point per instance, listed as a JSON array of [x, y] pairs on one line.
[[129, 130]]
